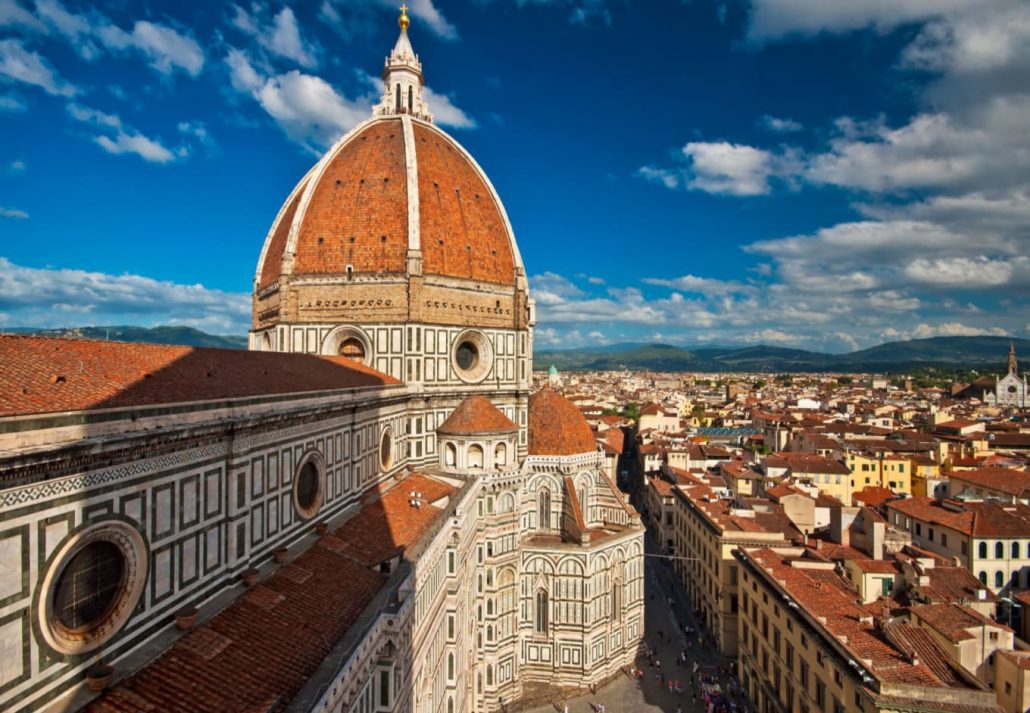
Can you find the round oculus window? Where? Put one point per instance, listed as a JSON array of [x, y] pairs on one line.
[[307, 490], [88, 585], [92, 587], [353, 349], [466, 355], [471, 356]]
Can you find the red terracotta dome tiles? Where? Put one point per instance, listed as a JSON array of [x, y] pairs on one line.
[[476, 414], [556, 426], [463, 232], [358, 211]]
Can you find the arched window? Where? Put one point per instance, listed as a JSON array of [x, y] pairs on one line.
[[999, 579], [489, 608], [489, 633], [450, 705], [1028, 550], [501, 455], [999, 551], [983, 578], [450, 666], [1015, 550], [541, 612], [544, 512], [475, 456], [451, 455], [489, 675], [411, 100], [617, 601], [584, 502], [398, 97], [983, 550]]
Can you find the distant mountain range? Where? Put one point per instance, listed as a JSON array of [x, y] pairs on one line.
[[150, 335], [951, 352]]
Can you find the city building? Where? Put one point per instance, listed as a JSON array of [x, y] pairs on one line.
[[991, 540], [708, 529], [808, 644]]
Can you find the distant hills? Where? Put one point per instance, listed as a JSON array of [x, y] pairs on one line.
[[150, 335], [946, 352]]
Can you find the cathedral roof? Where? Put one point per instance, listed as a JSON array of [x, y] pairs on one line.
[[257, 653], [48, 375], [557, 427], [476, 414]]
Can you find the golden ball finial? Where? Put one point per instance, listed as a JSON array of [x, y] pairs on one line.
[[404, 21]]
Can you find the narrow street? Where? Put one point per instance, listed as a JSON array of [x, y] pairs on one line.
[[667, 610]]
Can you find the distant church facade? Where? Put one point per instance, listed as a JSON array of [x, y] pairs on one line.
[[1011, 389], [367, 511]]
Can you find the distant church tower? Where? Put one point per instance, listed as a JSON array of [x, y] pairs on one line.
[[1011, 390]]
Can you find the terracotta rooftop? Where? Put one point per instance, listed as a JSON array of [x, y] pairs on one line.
[[1004, 480], [556, 427], [48, 375], [835, 605], [952, 584], [261, 650], [970, 518], [954, 621], [807, 463], [476, 414]]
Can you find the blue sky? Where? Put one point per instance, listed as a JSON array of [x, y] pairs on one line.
[[820, 175]]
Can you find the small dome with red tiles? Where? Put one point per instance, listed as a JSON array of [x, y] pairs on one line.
[[475, 416], [556, 426]]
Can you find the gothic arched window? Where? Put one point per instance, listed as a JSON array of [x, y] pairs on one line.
[[983, 550], [399, 97], [544, 514], [541, 612], [411, 100], [999, 551]]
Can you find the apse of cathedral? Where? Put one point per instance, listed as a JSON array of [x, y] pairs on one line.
[[366, 511]]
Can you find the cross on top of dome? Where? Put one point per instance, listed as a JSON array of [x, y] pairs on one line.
[[402, 78]]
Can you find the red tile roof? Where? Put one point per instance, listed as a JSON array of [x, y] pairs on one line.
[[476, 414], [954, 621], [971, 518], [261, 650], [47, 375], [826, 596], [1004, 480], [556, 427]]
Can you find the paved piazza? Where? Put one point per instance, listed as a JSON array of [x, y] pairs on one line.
[[624, 695]]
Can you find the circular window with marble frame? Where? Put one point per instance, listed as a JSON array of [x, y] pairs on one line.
[[387, 449], [309, 485], [472, 356], [91, 586]]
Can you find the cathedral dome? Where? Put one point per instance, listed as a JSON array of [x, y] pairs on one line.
[[476, 415], [556, 426], [392, 187]]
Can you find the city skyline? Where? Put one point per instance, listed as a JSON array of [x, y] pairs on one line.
[[881, 192]]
